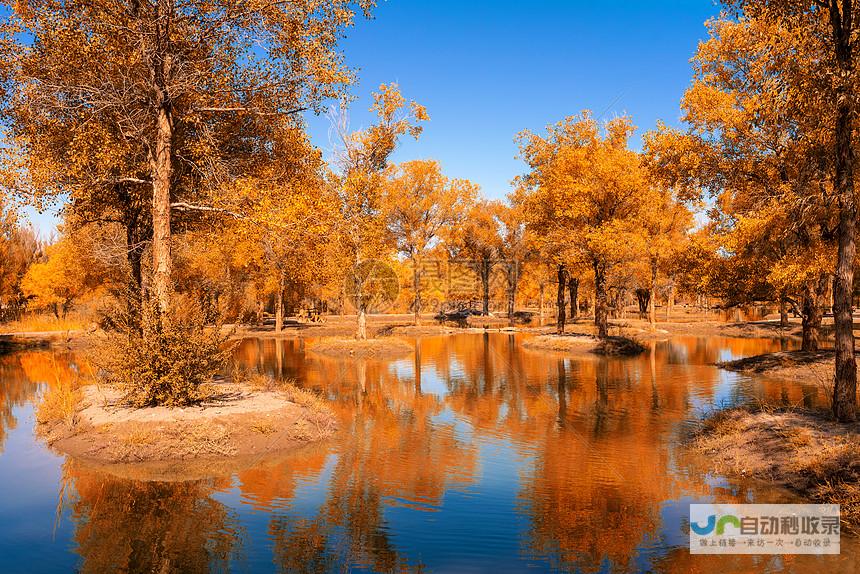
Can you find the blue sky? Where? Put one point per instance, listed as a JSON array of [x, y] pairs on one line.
[[487, 69]]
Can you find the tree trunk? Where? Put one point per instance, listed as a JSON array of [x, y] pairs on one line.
[[652, 298], [601, 311], [361, 331], [134, 255], [162, 165], [573, 287], [279, 305], [811, 313], [562, 277], [845, 381], [541, 289], [485, 285], [416, 285], [513, 280], [643, 298], [670, 299], [783, 310]]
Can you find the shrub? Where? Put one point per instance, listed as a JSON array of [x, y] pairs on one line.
[[60, 402], [172, 366]]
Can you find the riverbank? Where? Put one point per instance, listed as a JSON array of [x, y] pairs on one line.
[[688, 324], [581, 343], [800, 365], [382, 347], [803, 451], [235, 421]]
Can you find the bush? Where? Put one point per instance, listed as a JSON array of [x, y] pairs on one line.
[[172, 366], [61, 402]]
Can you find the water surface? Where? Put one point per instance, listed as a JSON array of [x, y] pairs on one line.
[[472, 455]]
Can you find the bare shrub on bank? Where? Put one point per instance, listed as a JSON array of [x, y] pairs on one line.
[[61, 401], [172, 365]]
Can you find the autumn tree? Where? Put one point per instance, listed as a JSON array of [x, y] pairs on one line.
[[420, 202], [19, 248], [662, 228], [514, 248], [157, 104], [770, 115], [69, 271], [476, 241], [363, 160], [584, 185]]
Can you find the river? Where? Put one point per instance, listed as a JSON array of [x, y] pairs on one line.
[[472, 455]]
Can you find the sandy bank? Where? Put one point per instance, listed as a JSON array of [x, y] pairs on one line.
[[801, 450], [384, 347], [581, 343], [237, 421], [800, 365]]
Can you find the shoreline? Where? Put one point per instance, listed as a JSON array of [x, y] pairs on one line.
[[237, 422], [402, 325], [801, 450]]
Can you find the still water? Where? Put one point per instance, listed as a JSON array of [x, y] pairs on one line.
[[472, 455]]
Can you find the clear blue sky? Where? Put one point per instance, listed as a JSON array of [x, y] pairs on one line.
[[487, 69]]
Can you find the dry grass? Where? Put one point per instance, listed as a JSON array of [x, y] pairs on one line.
[[619, 346], [317, 410], [352, 348], [139, 437], [817, 458], [263, 427], [61, 403], [578, 342], [45, 324], [584, 343]]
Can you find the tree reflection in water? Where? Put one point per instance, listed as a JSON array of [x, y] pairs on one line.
[[594, 440], [126, 525]]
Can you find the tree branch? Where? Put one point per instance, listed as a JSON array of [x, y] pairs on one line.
[[250, 110], [183, 206]]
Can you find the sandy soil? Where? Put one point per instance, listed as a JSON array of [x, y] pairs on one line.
[[582, 343], [237, 421], [577, 343], [383, 347], [804, 451], [787, 365]]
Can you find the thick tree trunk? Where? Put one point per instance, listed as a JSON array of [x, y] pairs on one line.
[[573, 287], [783, 311], [416, 285], [811, 313], [562, 278], [162, 163], [601, 311], [643, 298], [279, 304], [161, 249], [845, 381]]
